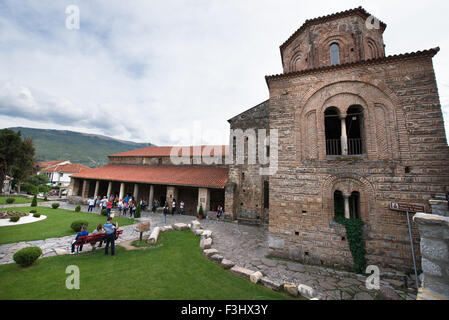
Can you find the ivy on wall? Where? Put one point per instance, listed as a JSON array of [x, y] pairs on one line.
[[354, 233]]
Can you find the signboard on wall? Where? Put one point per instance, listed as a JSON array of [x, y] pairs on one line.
[[407, 207]]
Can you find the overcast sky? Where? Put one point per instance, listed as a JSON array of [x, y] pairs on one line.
[[147, 71]]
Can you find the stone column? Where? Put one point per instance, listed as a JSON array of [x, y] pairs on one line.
[[97, 187], [344, 137], [136, 191], [172, 193], [122, 191], [151, 197], [229, 199], [71, 190], [347, 212], [85, 190], [204, 199], [109, 189], [434, 232]]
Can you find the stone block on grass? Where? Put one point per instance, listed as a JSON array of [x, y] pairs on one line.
[[271, 284], [291, 289], [246, 273], [256, 276], [206, 243], [227, 264], [210, 252], [306, 291], [180, 226]]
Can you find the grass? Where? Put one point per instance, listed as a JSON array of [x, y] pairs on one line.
[[19, 200], [56, 225], [176, 271]]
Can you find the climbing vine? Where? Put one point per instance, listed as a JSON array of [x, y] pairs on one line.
[[354, 233]]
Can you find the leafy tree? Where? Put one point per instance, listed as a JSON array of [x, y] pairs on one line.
[[38, 180], [16, 156], [23, 168]]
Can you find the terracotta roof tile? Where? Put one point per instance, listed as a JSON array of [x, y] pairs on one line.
[[166, 151], [68, 168], [195, 176]]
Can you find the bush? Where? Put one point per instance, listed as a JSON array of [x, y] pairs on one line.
[[37, 215], [201, 212], [55, 205], [34, 202], [27, 256], [76, 225], [137, 214], [45, 198], [33, 211], [78, 208], [104, 212], [14, 218], [10, 200]]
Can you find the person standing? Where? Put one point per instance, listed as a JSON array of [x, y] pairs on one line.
[[173, 207], [110, 229], [120, 207], [108, 208], [181, 207], [91, 205], [125, 207]]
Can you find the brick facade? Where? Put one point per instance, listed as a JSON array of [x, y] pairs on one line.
[[404, 153]]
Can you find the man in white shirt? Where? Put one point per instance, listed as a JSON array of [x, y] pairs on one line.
[[91, 205]]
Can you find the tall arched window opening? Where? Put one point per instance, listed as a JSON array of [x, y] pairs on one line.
[[354, 205], [354, 128], [332, 126], [335, 54], [339, 204]]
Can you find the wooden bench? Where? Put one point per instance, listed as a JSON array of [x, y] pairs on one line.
[[250, 217], [94, 238]]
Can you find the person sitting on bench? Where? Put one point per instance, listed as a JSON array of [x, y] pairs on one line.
[[99, 229], [80, 234]]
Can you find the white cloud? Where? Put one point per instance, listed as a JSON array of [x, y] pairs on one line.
[[139, 70]]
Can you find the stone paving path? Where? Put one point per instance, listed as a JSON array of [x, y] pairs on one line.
[[247, 246]]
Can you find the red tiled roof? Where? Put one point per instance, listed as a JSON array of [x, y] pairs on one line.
[[398, 57], [195, 176], [46, 164], [357, 11], [166, 151], [68, 168]]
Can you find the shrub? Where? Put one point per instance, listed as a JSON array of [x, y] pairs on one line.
[[37, 215], [27, 256], [137, 214], [78, 208], [104, 212], [201, 212], [14, 218], [10, 200], [76, 225], [45, 198], [34, 202], [33, 211], [55, 205]]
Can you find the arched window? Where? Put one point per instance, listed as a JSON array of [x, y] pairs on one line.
[[354, 205], [354, 128], [335, 54], [332, 125], [339, 204]]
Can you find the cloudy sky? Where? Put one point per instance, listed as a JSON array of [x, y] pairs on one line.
[[160, 71]]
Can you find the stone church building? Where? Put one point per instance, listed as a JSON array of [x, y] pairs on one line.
[[357, 130]]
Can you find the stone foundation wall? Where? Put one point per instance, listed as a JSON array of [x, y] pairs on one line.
[[434, 231]]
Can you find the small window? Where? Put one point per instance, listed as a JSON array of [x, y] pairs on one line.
[[266, 195], [335, 54]]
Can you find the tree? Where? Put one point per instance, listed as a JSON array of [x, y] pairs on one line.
[[24, 166], [16, 155]]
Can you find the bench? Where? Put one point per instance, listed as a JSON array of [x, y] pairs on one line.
[[94, 238], [250, 217]]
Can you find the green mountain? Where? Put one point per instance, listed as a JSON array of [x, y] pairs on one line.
[[88, 149]]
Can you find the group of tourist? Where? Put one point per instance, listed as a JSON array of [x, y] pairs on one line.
[[172, 208], [125, 206], [108, 229]]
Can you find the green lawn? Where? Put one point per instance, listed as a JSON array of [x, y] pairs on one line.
[[56, 225], [177, 270], [19, 200]]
